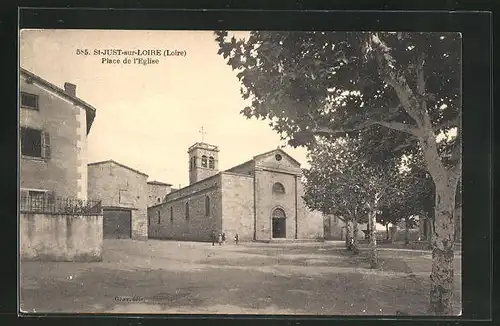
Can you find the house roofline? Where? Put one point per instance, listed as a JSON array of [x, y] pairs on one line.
[[89, 109], [119, 164]]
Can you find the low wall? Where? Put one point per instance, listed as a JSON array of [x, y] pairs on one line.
[[59, 237]]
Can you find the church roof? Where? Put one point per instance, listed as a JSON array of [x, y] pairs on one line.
[[119, 164], [158, 183], [277, 150], [264, 154]]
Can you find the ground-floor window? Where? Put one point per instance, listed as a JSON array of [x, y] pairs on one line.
[[33, 200]]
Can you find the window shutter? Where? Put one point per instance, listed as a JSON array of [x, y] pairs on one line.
[[24, 199], [51, 197], [24, 195], [46, 145]]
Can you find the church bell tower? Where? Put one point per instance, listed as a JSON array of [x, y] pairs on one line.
[[203, 161]]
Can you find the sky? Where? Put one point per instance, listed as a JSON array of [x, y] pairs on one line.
[[148, 115]]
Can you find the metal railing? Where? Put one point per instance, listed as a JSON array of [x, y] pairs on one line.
[[59, 205]]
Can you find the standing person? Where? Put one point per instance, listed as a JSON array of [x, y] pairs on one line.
[[236, 238], [213, 237], [219, 238], [223, 237]]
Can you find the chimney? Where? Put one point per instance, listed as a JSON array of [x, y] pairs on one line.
[[70, 89]]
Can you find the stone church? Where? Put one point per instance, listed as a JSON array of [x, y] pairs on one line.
[[260, 200]]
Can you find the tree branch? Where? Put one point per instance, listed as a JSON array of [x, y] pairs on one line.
[[388, 124], [399, 126], [420, 74], [387, 68]]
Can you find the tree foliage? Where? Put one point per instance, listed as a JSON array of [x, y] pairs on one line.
[[331, 83], [340, 181]]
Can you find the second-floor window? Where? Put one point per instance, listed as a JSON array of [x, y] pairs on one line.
[[204, 161], [211, 162], [35, 143], [278, 188], [29, 101]]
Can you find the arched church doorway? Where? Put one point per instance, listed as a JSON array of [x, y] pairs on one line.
[[279, 223]]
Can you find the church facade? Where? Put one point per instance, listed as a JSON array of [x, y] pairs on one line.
[[260, 200]]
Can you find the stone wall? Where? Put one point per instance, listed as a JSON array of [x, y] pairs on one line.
[[237, 206], [310, 224], [118, 186], [55, 237], [168, 220], [65, 172], [157, 193]]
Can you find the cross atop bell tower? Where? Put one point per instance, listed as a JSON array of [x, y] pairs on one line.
[[203, 133]]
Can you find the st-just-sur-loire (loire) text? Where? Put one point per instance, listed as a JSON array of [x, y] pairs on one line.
[[135, 57]]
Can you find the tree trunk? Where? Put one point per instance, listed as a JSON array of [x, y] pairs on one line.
[[373, 240], [355, 235], [347, 232], [407, 232], [430, 233], [442, 273], [387, 231]]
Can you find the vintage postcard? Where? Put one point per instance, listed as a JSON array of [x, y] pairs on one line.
[[240, 172]]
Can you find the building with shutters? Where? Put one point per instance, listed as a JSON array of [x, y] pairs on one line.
[[260, 200], [53, 128]]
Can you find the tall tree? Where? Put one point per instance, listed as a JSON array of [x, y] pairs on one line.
[[405, 85]]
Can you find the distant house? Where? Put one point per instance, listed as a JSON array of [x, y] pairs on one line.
[[54, 124], [157, 191], [123, 192]]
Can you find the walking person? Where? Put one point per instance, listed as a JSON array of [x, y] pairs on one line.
[[236, 238], [223, 237], [219, 238]]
